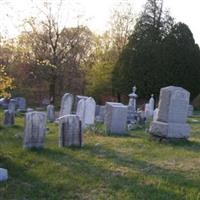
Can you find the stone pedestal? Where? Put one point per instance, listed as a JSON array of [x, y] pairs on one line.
[[70, 133], [172, 114]]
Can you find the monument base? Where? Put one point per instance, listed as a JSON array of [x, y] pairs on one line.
[[170, 130]]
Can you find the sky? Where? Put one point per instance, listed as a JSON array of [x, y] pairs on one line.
[[96, 13]]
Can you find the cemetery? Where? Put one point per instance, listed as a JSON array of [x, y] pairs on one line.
[[98, 115], [71, 154]]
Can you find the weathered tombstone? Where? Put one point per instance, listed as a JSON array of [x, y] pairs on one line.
[[77, 99], [172, 114], [3, 174], [4, 103], [101, 114], [115, 118], [151, 105], [90, 106], [9, 118], [34, 132], [80, 111], [97, 109], [147, 110], [190, 110], [70, 133], [66, 104], [29, 110], [50, 113], [155, 114], [12, 105], [21, 104]]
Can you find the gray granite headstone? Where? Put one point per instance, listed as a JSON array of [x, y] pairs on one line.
[[9, 118], [66, 104], [77, 99], [172, 114], [50, 113], [115, 118], [35, 129], [3, 174], [70, 133]]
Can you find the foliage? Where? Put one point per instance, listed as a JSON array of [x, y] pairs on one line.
[[141, 60], [107, 49], [6, 83]]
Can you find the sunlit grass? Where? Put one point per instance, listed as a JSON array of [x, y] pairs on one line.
[[107, 167]]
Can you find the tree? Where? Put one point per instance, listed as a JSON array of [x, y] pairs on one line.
[[141, 60], [57, 54], [6, 83], [107, 49], [181, 58]]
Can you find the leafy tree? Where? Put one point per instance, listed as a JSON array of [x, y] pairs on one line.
[[6, 83], [141, 60], [106, 51], [181, 58]]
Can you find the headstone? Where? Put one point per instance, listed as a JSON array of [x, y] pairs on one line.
[[29, 110], [70, 133], [172, 114], [151, 105], [34, 132], [131, 115], [12, 105], [3, 174], [45, 101], [66, 104], [50, 113], [80, 112], [190, 110], [90, 106], [147, 110], [155, 114], [101, 114], [21, 103], [115, 118], [77, 99], [97, 110], [9, 118], [4, 103]]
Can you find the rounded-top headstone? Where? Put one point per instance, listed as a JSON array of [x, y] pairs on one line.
[[66, 104]]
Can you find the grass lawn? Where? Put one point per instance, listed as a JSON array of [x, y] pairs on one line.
[[107, 167]]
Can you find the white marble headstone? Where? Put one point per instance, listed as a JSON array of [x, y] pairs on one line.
[[66, 104], [90, 106]]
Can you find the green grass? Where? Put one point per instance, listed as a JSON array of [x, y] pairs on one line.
[[107, 167]]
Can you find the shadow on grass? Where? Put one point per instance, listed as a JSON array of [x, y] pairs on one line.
[[135, 184]]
